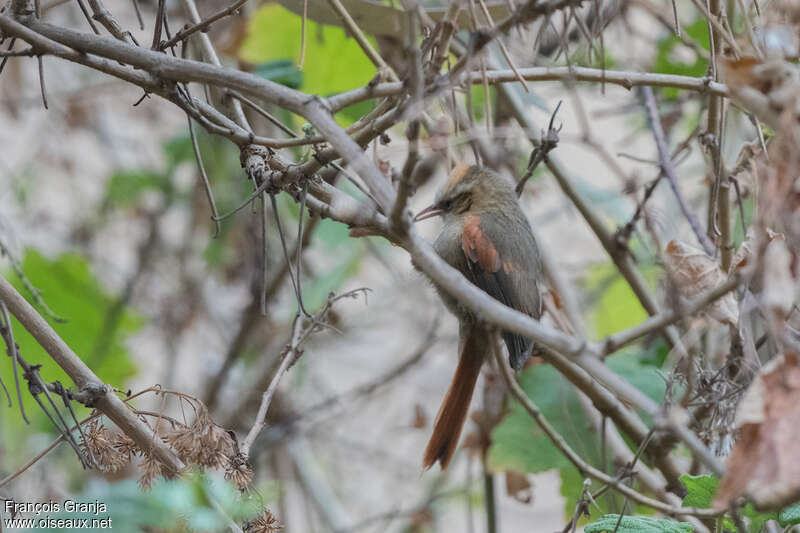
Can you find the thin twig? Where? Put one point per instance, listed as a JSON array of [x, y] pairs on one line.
[[303, 25], [11, 345], [160, 17], [301, 330], [294, 276], [88, 17], [202, 26], [11, 477], [103, 15], [668, 168], [42, 86], [204, 178], [138, 14], [658, 322]]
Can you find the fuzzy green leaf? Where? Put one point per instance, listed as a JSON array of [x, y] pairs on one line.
[[636, 524], [700, 490], [790, 515]]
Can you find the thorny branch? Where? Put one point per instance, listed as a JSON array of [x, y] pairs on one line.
[[547, 144]]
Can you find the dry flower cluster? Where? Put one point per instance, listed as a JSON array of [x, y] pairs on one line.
[[265, 523], [201, 443]]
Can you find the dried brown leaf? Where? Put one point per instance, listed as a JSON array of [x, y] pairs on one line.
[[744, 255], [765, 463], [152, 469], [420, 419], [518, 486], [478, 440], [695, 273], [778, 284]]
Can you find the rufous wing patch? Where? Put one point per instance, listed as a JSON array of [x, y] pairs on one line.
[[478, 247]]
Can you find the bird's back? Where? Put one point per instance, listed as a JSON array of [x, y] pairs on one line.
[[495, 249]]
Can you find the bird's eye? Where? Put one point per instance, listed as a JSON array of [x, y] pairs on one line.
[[446, 204]]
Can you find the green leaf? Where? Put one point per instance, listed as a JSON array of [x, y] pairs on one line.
[[638, 373], [668, 60], [182, 504], [333, 62], [282, 71], [756, 519], [72, 292], [617, 306], [124, 188], [790, 515], [636, 524], [519, 444], [700, 490]]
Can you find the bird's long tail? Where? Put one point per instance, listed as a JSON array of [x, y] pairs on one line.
[[453, 412]]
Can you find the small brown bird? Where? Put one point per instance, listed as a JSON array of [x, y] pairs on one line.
[[487, 237]]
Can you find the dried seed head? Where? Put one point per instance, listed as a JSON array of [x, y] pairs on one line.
[[99, 444], [124, 445], [239, 472], [186, 442], [203, 442], [217, 446], [264, 523], [152, 470]]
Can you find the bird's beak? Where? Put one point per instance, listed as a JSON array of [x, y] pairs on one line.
[[429, 212]]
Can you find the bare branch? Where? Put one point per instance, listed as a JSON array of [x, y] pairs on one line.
[[626, 79], [202, 26]]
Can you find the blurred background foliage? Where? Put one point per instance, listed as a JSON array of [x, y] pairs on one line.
[[332, 62]]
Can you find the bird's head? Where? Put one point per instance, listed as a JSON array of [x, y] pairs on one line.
[[470, 189]]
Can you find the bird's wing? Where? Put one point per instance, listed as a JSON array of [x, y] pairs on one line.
[[503, 274]]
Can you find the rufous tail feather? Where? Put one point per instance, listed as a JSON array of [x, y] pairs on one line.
[[453, 412]]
